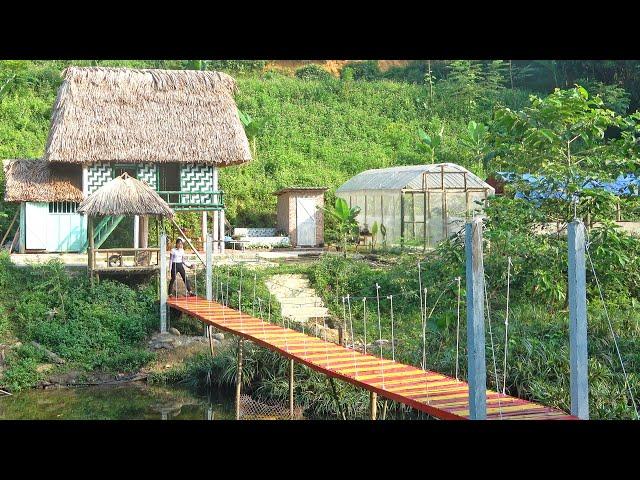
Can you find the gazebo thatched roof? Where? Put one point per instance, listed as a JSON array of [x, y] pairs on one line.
[[125, 195], [40, 181], [131, 116]]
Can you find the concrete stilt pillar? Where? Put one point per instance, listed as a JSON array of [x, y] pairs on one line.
[[475, 321], [221, 234], [578, 358], [163, 282]]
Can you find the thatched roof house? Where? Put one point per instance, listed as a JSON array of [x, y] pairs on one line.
[[40, 181], [125, 195], [160, 116]]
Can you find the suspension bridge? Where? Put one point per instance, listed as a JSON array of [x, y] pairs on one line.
[[430, 392], [427, 391]]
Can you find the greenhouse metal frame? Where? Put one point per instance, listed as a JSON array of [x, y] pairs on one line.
[[417, 204]]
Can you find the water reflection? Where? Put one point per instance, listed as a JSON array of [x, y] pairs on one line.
[[135, 401]]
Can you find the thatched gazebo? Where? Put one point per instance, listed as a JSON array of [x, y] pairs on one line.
[[125, 195], [122, 196]]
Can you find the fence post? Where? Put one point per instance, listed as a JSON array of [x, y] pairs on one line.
[[578, 357], [163, 282], [475, 320]]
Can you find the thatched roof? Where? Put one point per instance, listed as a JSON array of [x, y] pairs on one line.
[[131, 116], [125, 195], [40, 181]]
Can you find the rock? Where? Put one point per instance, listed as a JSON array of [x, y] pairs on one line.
[[383, 341], [218, 336], [44, 368], [174, 331], [49, 354]]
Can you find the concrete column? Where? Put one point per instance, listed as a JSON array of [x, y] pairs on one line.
[[216, 214], [221, 234], [163, 283], [475, 321], [204, 229], [578, 358]]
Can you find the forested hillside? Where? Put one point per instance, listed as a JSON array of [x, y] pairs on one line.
[[313, 128]]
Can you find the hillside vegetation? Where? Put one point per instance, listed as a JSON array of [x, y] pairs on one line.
[[319, 130]]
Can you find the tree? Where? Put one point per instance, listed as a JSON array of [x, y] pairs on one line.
[[464, 78], [253, 128], [561, 139], [495, 76], [430, 143]]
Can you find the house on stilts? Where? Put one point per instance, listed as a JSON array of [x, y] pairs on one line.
[[171, 129]]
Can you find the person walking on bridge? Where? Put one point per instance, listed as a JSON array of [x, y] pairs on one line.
[[177, 264]]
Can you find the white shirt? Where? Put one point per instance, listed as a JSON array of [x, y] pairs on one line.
[[177, 256]]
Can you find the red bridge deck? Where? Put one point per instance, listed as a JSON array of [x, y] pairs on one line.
[[430, 392]]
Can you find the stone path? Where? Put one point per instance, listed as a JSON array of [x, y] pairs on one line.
[[298, 301]]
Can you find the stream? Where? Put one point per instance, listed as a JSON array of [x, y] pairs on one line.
[[132, 401]]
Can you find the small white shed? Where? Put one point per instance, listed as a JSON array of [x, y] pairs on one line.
[[300, 215]]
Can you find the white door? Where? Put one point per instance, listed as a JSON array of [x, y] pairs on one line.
[[36, 225], [306, 221]]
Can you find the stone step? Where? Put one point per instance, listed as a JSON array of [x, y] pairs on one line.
[[307, 301], [304, 312]]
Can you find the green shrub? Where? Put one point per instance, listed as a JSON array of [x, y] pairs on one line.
[[367, 70], [312, 72], [99, 327]]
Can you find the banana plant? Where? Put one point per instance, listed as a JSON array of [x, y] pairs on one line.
[[345, 219], [475, 140]]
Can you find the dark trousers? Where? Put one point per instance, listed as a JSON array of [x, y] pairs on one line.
[[175, 269]]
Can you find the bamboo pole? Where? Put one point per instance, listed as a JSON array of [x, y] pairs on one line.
[[188, 242], [291, 366], [239, 378], [373, 400], [14, 240], [334, 392], [10, 226]]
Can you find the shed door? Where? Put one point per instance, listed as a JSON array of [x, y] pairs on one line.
[[306, 221], [36, 225], [66, 229]]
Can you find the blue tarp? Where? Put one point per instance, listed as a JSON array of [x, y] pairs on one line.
[[624, 185]]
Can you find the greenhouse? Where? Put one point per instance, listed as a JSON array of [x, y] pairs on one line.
[[416, 204]]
